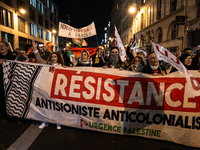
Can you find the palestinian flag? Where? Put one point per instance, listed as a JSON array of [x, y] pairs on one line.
[[135, 41], [77, 51], [80, 42], [28, 52], [49, 46]]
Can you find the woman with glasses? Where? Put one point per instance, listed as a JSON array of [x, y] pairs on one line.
[[114, 60], [137, 64], [186, 60]]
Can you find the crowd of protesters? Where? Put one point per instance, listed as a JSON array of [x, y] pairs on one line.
[[135, 62]]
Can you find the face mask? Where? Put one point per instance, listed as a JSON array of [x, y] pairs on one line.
[[114, 58]]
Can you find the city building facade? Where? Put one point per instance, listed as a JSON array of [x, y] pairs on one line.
[[174, 24], [22, 21]]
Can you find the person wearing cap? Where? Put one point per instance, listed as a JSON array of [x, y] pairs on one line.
[[141, 53], [114, 60], [154, 67]]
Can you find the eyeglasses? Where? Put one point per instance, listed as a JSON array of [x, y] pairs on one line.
[[188, 58]]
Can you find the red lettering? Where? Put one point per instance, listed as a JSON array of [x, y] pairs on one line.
[[166, 52]]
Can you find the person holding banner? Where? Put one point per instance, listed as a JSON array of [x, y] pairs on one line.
[[114, 60], [5, 53], [154, 67], [84, 59], [55, 60], [137, 64]]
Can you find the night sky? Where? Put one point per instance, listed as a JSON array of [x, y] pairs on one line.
[[84, 12]]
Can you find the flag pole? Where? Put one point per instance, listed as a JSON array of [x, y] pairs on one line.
[[97, 41]]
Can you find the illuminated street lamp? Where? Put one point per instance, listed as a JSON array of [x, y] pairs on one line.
[[54, 31], [22, 11], [132, 9]]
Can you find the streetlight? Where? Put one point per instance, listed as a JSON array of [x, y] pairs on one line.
[[22, 11], [132, 9], [54, 31]]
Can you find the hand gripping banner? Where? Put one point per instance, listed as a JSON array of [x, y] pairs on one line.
[[105, 100]]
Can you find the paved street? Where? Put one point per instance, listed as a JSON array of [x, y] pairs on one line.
[[28, 136]]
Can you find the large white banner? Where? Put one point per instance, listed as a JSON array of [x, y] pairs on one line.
[[68, 31], [165, 55], [105, 100], [119, 44]]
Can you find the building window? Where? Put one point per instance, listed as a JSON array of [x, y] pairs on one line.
[[143, 2], [160, 34], [20, 4], [41, 33], [21, 24], [55, 21], [46, 2], [47, 36], [33, 29], [46, 13], [51, 26], [40, 7], [173, 31], [142, 40], [8, 2], [173, 49], [142, 18], [51, 7], [7, 18], [159, 9], [46, 24], [40, 19], [149, 16], [31, 14], [56, 39], [9, 37], [173, 4], [55, 11], [33, 3], [51, 17]]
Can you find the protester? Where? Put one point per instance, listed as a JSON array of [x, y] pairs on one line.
[[178, 54], [84, 59], [45, 53], [187, 50], [128, 50], [114, 60], [5, 53], [186, 60], [137, 64], [154, 67], [127, 62], [55, 60], [32, 58], [64, 54], [141, 53], [196, 62], [21, 56], [98, 59]]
